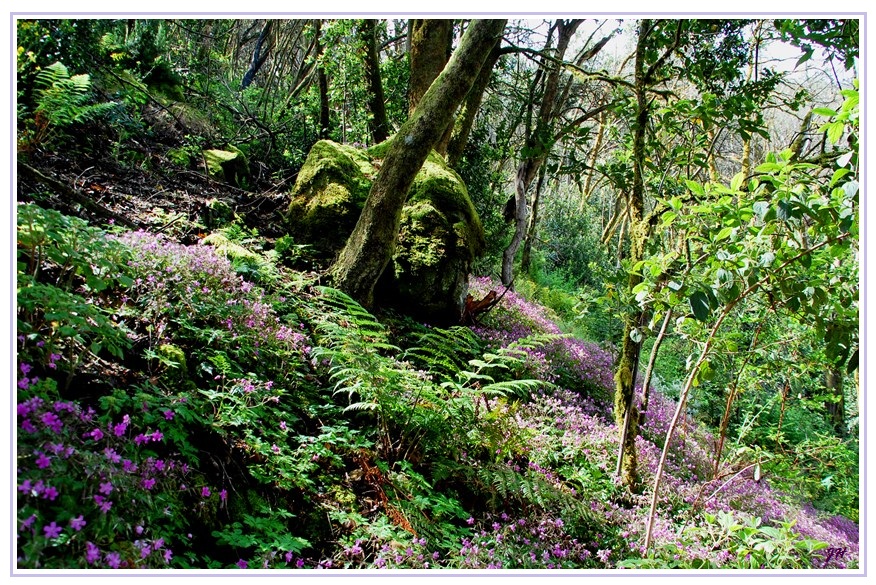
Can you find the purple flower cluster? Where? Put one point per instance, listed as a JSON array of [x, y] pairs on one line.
[[63, 453], [539, 542], [195, 282]]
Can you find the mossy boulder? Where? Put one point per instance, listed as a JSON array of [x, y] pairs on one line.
[[228, 165], [328, 196], [439, 237]]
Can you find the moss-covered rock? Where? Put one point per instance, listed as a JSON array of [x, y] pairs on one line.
[[218, 213], [440, 236], [440, 233], [329, 195], [229, 165]]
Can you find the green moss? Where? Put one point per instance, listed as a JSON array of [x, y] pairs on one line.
[[173, 354], [329, 194], [226, 165], [440, 233]]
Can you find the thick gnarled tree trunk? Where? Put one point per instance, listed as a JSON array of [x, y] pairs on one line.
[[372, 243]]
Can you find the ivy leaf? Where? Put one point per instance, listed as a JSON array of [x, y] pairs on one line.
[[699, 305]]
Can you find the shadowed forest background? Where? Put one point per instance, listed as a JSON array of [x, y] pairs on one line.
[[437, 293]]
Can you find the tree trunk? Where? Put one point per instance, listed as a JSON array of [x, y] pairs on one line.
[[836, 409], [538, 145], [431, 41], [322, 81], [376, 102], [372, 243], [259, 55], [469, 109], [526, 258], [625, 382]]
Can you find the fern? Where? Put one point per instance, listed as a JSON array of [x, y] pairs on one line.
[[62, 99], [443, 352], [528, 488]]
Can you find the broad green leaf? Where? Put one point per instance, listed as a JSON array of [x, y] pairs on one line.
[[699, 305], [724, 234], [768, 167], [695, 187], [824, 112], [838, 174], [736, 182]]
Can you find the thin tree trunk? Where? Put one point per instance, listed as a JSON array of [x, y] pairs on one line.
[[259, 55], [646, 383], [469, 109], [731, 398], [833, 383], [322, 81], [526, 258], [537, 145], [372, 243], [376, 101]]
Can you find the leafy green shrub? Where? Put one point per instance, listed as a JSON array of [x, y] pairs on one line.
[[722, 542], [63, 266]]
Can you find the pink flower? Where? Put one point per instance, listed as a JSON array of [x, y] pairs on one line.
[[77, 523], [52, 530]]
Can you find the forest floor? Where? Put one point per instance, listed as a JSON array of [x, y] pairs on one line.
[[527, 485]]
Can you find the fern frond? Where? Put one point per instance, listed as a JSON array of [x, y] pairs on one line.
[[517, 388], [443, 352], [361, 406]]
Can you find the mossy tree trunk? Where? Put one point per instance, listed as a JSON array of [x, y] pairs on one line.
[[431, 44], [625, 412], [371, 245], [469, 109], [379, 125]]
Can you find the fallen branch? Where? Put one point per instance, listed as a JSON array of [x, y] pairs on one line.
[[65, 190]]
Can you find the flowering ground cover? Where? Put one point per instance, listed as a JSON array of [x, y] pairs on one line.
[[173, 413]]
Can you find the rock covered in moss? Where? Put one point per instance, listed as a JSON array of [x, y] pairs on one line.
[[328, 196], [439, 237], [228, 165]]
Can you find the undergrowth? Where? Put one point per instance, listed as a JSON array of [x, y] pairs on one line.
[[206, 407]]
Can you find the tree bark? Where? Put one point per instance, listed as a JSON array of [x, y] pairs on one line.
[[833, 383], [625, 377], [538, 145], [526, 257], [431, 41], [467, 113], [376, 102], [322, 81], [259, 55], [372, 243]]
